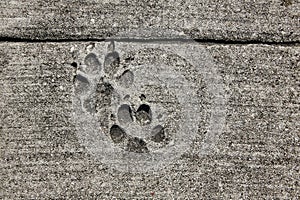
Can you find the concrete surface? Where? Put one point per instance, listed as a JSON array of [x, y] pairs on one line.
[[151, 114], [256, 156], [260, 20]]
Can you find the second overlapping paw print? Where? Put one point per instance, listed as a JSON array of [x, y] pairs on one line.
[[127, 117]]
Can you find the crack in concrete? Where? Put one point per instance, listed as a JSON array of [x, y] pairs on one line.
[[137, 40]]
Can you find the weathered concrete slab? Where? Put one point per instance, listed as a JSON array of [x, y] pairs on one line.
[[256, 155], [266, 21]]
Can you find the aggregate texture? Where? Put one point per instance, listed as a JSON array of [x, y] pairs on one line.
[[42, 157]]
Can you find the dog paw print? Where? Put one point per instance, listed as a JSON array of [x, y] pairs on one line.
[[137, 107], [131, 118], [103, 91]]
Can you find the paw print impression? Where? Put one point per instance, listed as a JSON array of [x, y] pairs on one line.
[[133, 112], [134, 129], [131, 104]]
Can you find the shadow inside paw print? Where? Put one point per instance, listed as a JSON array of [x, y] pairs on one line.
[[111, 63], [134, 144], [158, 134], [137, 145], [142, 116], [125, 114], [117, 134], [126, 79], [92, 63]]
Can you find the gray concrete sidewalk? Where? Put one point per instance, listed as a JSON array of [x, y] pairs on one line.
[[256, 156], [266, 21], [192, 100]]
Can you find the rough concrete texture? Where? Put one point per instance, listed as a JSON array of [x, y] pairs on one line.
[[262, 20], [42, 156]]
